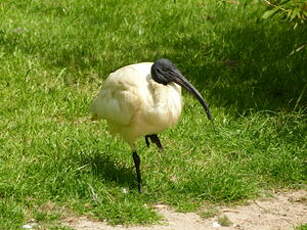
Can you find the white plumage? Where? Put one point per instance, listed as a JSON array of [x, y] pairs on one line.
[[135, 105], [142, 100]]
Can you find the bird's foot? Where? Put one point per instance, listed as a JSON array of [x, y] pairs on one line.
[[154, 139]]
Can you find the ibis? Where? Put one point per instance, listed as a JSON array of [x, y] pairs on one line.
[[142, 100]]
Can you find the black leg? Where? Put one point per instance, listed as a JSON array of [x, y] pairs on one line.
[[155, 139], [137, 162], [147, 141]]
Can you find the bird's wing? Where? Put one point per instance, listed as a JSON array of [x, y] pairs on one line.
[[119, 99], [115, 103]]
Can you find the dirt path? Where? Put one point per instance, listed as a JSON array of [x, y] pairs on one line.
[[281, 212]]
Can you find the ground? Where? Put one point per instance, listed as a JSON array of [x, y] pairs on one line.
[[282, 211]]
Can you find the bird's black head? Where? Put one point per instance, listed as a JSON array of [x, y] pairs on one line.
[[163, 71]]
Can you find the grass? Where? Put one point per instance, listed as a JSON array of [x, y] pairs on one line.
[[208, 212], [301, 227], [224, 221], [54, 56]]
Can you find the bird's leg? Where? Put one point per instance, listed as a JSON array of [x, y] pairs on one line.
[[155, 139], [137, 162], [147, 140]]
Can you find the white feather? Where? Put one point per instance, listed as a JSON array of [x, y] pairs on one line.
[[135, 105]]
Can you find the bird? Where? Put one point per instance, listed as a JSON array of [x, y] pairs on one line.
[[142, 100]]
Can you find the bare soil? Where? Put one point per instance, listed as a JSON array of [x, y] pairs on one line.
[[282, 211]]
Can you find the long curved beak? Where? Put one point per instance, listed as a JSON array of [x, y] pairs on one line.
[[182, 81]]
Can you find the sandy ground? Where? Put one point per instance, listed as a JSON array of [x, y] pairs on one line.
[[283, 211]]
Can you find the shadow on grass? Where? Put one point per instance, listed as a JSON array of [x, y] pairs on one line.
[[250, 66], [257, 68], [109, 170]]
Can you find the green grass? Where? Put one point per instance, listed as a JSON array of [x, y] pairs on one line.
[[301, 227], [54, 56], [224, 221]]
